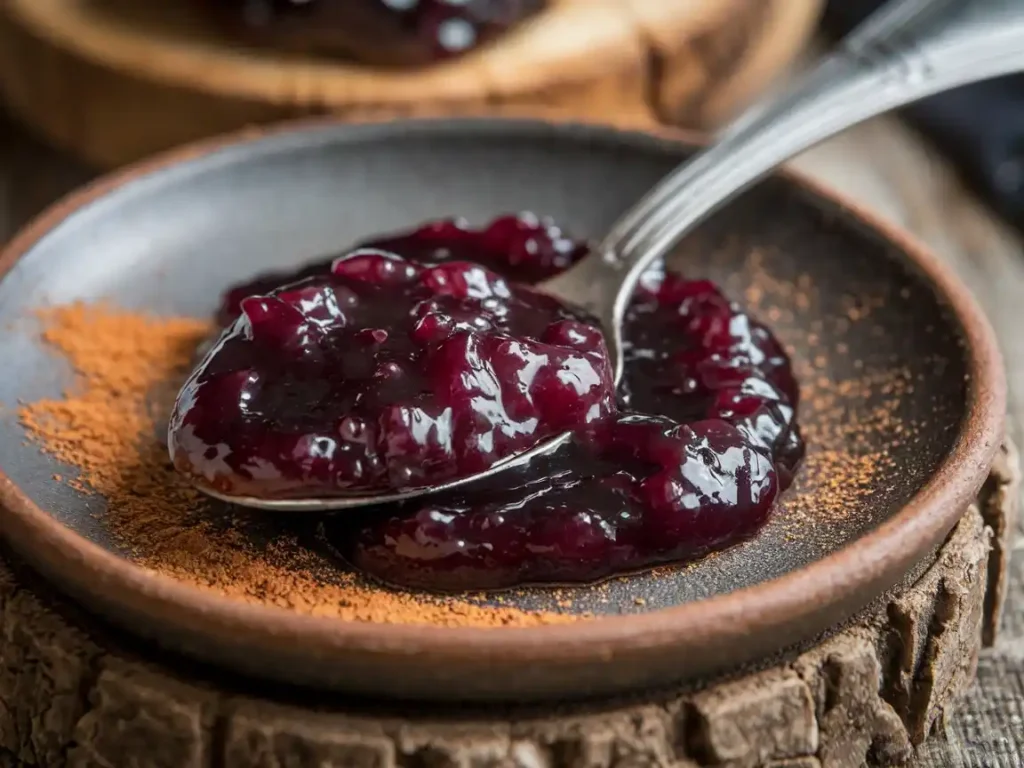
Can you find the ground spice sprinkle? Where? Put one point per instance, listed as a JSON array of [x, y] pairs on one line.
[[842, 418], [109, 426]]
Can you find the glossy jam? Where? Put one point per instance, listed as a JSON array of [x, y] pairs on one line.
[[690, 459], [386, 374], [382, 32], [640, 491]]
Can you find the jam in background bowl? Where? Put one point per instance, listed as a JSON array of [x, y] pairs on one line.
[[384, 32], [182, 76], [846, 297]]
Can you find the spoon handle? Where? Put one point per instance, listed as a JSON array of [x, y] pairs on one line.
[[907, 51]]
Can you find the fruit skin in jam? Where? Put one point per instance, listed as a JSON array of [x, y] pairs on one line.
[[386, 374], [415, 356]]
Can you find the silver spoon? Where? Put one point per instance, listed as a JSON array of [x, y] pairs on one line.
[[907, 51]]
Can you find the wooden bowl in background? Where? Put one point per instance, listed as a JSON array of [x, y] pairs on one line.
[[115, 80]]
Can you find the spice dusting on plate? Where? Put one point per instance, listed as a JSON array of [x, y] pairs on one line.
[[110, 426], [852, 424]]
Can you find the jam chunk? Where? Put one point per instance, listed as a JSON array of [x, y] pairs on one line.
[[525, 248], [385, 374]]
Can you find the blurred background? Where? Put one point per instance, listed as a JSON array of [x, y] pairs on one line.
[[107, 82], [979, 128]]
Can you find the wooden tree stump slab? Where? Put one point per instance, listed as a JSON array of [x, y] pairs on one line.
[[115, 80], [73, 692]]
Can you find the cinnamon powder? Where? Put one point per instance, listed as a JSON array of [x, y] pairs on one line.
[[109, 426], [845, 457]]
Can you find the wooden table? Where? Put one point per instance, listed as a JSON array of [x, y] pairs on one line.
[[883, 166]]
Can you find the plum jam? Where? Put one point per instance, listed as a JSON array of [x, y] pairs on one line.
[[415, 358], [386, 374], [382, 32]]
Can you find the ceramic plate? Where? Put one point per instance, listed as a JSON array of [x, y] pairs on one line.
[[902, 404]]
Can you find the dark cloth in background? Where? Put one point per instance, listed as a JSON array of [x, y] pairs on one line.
[[980, 128]]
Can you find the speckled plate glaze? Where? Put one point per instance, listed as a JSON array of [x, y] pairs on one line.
[[903, 397]]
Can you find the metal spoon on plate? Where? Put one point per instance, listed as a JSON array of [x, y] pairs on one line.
[[909, 50]]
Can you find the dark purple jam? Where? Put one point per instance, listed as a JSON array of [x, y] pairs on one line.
[[382, 32], [383, 374], [339, 377]]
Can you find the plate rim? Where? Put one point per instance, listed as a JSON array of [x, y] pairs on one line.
[[814, 597]]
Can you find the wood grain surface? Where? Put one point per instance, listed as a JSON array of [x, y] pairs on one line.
[[888, 169]]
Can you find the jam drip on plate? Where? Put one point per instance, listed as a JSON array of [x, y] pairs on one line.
[[687, 458], [380, 32]]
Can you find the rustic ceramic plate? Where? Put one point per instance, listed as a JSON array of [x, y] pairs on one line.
[[903, 397]]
